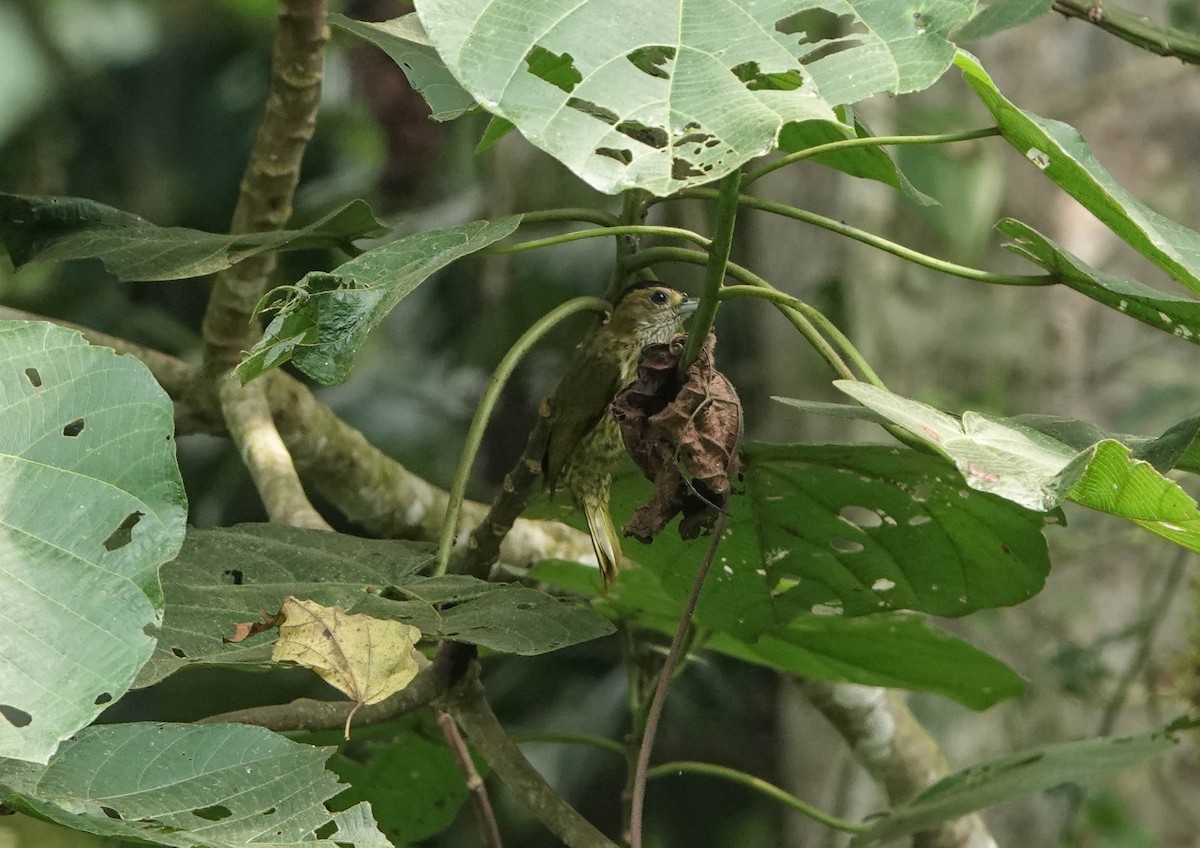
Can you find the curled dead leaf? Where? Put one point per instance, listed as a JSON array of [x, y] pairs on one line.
[[243, 630], [683, 431]]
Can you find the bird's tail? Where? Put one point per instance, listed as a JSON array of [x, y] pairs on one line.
[[605, 540]]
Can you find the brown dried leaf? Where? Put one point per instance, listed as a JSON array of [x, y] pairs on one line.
[[243, 630], [683, 432]]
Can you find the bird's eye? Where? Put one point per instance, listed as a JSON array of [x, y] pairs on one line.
[[659, 297]]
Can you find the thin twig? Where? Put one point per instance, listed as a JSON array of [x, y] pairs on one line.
[[602, 232], [637, 804], [725, 217], [489, 831]]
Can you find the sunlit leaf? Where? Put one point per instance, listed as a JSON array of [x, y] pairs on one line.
[[91, 504], [681, 93]]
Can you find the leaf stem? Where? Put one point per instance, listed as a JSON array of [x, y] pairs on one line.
[[869, 141], [483, 412], [1136, 29], [714, 271], [880, 243], [599, 742], [758, 785], [571, 213], [623, 230], [638, 802], [765, 292]]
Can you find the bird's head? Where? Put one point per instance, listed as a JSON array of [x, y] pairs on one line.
[[650, 312]]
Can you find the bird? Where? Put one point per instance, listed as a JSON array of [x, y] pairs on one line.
[[584, 443]]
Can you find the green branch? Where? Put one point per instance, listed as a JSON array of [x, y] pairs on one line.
[[574, 213], [758, 785], [1136, 29], [714, 271], [483, 412], [869, 141], [624, 230], [914, 256]]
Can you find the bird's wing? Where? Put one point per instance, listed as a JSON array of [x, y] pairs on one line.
[[579, 402]]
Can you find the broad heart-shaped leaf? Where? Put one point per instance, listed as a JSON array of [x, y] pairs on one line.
[[191, 786], [323, 322], [230, 575], [847, 529], [405, 42], [1017, 775], [1061, 153], [1177, 314], [665, 95], [91, 504], [1026, 466], [61, 228], [892, 649]]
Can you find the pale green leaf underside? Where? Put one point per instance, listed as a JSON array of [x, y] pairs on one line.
[[229, 575], [1177, 314], [1062, 154], [999, 15], [1019, 463], [662, 96], [91, 504], [210, 786], [55, 229], [323, 322], [1015, 776]]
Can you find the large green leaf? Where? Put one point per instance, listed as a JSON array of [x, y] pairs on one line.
[[666, 95], [1017, 775], [1177, 314], [229, 575], [849, 530], [191, 786], [892, 649], [998, 15], [405, 42], [1017, 462], [322, 324], [410, 779], [54, 229], [91, 504], [1060, 152]]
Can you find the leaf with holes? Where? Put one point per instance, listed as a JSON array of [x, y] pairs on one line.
[[893, 649], [1018, 775], [1026, 466], [405, 42], [55, 229], [91, 504], [839, 529], [667, 95], [1176, 314], [322, 323], [229, 575], [191, 786], [1060, 152]]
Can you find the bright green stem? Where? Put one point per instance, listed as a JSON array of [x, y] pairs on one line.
[[484, 411], [655, 255], [599, 742], [870, 141], [814, 315], [714, 272], [758, 785], [880, 243], [573, 213], [624, 230]]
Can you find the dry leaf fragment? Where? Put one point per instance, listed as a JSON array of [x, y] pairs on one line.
[[366, 658], [683, 431], [243, 630]]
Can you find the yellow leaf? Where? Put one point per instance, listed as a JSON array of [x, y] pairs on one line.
[[366, 658]]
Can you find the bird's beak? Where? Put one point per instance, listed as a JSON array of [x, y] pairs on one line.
[[689, 306]]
